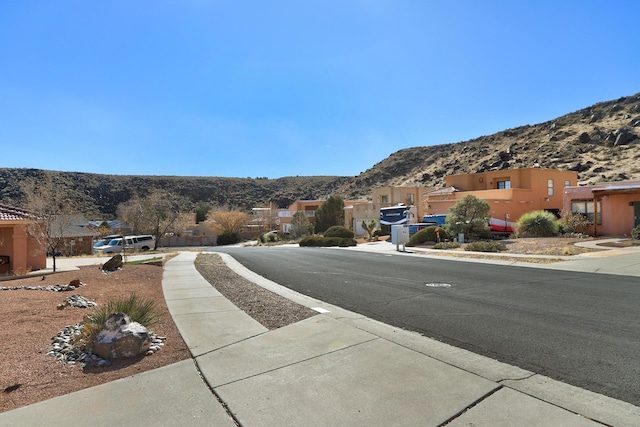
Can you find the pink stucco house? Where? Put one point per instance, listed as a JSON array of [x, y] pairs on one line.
[[19, 251], [613, 207]]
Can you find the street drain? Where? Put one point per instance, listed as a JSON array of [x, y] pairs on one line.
[[438, 285]]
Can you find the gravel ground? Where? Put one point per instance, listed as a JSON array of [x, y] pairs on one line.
[[271, 310]]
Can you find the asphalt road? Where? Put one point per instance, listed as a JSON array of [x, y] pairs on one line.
[[580, 328]]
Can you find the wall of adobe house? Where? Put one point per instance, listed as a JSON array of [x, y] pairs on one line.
[[617, 214]]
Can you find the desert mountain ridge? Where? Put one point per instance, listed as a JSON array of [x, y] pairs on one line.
[[601, 143]]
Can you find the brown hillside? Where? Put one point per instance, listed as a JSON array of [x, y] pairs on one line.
[[600, 142]]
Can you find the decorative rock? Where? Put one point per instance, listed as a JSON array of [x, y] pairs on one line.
[[64, 349], [77, 301], [120, 338], [115, 263], [50, 288]]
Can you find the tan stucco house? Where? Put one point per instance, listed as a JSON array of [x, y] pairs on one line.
[[510, 193], [19, 251]]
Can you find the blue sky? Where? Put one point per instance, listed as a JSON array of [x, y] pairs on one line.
[[276, 88]]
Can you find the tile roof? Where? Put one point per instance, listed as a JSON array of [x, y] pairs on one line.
[[10, 213]]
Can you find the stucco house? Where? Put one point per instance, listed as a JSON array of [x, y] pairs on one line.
[[612, 207], [19, 251], [309, 207], [385, 197], [510, 193]]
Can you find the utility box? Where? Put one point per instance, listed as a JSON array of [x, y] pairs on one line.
[[400, 236]]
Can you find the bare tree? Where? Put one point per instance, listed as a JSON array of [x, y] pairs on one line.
[[231, 222], [51, 202], [155, 214]]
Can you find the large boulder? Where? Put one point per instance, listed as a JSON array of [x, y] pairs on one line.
[[623, 136], [120, 338], [115, 263]]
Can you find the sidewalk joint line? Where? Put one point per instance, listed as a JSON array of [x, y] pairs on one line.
[[224, 404], [472, 405]]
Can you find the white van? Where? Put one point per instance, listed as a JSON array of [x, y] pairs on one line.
[[140, 243]]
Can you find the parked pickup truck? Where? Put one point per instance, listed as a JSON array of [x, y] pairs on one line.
[[139, 243]]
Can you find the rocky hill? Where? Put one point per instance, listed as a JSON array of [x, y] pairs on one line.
[[601, 143], [99, 195]]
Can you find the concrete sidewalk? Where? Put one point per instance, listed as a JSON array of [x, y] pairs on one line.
[[337, 368]]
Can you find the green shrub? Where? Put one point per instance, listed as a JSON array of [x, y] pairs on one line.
[[427, 234], [319, 241], [485, 247], [348, 242], [537, 224], [573, 223], [446, 245], [339, 231], [270, 237], [311, 241], [228, 238], [379, 233], [635, 233]]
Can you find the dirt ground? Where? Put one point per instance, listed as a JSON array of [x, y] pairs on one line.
[[30, 320]]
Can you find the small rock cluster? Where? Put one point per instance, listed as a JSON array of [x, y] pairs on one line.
[[65, 350], [76, 301], [50, 288]]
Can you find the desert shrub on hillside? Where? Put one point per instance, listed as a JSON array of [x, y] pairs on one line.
[[537, 224]]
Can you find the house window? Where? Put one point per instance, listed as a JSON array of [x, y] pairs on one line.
[[384, 199], [410, 199], [567, 183], [586, 208], [549, 187], [503, 185]]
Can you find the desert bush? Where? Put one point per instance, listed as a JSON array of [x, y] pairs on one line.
[[379, 233], [537, 224], [339, 231], [469, 216], [485, 247], [311, 241], [446, 245], [228, 238], [635, 233], [573, 223], [319, 241], [427, 234], [270, 237]]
